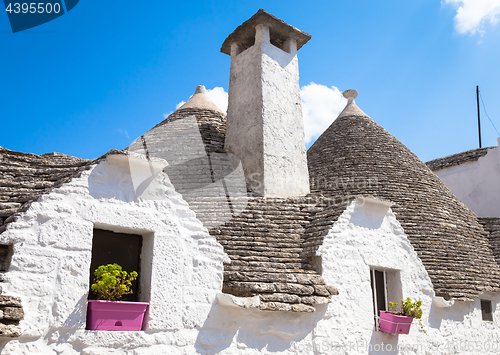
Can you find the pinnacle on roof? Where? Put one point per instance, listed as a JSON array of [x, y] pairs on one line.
[[351, 108], [200, 100]]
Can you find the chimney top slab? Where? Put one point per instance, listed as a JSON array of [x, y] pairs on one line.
[[280, 32]]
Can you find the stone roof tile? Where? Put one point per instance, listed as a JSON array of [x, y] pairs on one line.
[[24, 177], [458, 159]]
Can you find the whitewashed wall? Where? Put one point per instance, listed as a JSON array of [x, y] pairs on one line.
[[50, 272], [477, 183], [368, 235], [52, 245]]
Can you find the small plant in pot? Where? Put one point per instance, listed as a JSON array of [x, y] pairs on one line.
[[111, 282], [400, 316], [107, 312]]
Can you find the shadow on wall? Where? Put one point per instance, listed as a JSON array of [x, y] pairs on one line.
[[73, 324], [383, 343], [111, 180], [255, 329], [454, 313], [64, 334], [78, 317], [369, 214]]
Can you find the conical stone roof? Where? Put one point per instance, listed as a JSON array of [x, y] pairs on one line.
[[210, 119], [191, 140], [357, 157]]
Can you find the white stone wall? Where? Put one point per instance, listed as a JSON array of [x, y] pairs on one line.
[[368, 235], [52, 242], [50, 272], [477, 183]]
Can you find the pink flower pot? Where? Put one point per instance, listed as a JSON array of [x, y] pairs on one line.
[[115, 315], [391, 323]]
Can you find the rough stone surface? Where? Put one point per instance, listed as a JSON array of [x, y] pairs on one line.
[[357, 157], [288, 252], [9, 330], [11, 312], [191, 140], [492, 227], [50, 277], [265, 245], [245, 33]]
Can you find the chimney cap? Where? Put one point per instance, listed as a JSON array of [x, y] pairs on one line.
[[245, 33]]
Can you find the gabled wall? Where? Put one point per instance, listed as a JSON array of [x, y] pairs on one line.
[[52, 245], [476, 183], [368, 235]]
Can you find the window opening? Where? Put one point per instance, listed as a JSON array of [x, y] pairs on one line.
[[379, 291], [486, 310], [386, 287], [5, 256], [120, 248]]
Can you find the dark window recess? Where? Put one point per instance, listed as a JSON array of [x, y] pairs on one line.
[[122, 249], [4, 257], [486, 310], [377, 279]]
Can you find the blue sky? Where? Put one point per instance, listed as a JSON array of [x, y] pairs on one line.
[[106, 72]]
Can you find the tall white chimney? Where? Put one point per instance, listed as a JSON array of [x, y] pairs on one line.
[[265, 128]]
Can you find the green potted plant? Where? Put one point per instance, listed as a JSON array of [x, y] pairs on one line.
[[108, 312], [398, 319]]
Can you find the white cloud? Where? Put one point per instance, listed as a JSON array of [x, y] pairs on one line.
[[219, 97], [178, 105], [472, 15], [320, 106], [124, 132]]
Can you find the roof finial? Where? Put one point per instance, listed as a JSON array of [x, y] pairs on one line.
[[350, 95], [200, 100], [200, 89]]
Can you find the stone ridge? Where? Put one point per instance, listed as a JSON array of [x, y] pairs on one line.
[[457, 159], [357, 157], [492, 227], [24, 177], [265, 245]]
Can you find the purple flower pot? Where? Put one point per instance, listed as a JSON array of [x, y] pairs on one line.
[[391, 323], [115, 315]]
